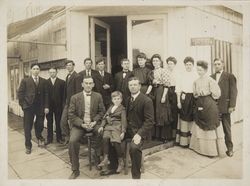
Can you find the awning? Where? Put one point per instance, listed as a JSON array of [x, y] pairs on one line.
[[30, 24]]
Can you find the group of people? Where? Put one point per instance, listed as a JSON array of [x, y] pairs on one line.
[[192, 109]]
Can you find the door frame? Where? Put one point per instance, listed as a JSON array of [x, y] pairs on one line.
[[95, 21], [130, 18]]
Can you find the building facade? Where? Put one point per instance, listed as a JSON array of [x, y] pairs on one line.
[[114, 32]]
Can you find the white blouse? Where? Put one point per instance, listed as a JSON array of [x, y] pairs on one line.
[[185, 82]]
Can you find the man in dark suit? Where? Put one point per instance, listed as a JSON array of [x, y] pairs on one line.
[[55, 88], [88, 70], [140, 116], [103, 83], [227, 101], [121, 79], [33, 98], [72, 86], [86, 111]]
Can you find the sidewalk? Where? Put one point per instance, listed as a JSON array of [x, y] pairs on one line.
[[175, 162]]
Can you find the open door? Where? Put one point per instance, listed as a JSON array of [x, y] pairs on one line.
[[100, 42]]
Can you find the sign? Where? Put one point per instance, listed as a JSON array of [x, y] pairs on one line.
[[202, 41], [60, 63]]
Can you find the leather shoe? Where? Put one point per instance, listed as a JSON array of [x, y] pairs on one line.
[[60, 141], [48, 142], [229, 153], [28, 151], [74, 174], [108, 172]]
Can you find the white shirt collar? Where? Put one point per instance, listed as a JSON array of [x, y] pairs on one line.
[[135, 95], [85, 93], [34, 77]]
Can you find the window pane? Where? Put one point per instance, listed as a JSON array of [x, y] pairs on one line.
[[147, 37]]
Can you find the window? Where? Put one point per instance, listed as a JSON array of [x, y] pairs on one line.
[[26, 69], [14, 81]]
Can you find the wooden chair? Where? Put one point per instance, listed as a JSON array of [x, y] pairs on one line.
[[127, 147]]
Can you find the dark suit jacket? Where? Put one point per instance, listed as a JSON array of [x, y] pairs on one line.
[[72, 86], [99, 82], [77, 107], [140, 115], [27, 92], [227, 84], [122, 84], [115, 121], [56, 93], [83, 73]]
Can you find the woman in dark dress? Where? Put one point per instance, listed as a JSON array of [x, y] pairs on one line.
[[143, 73], [159, 90], [171, 63]]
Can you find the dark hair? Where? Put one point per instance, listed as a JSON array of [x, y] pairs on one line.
[[87, 59], [53, 68], [202, 64], [171, 58], [116, 94], [35, 64], [156, 56], [218, 59], [124, 59], [100, 60], [188, 59], [141, 55], [70, 61], [87, 77], [134, 78]]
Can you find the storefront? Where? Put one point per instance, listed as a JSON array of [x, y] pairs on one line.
[[115, 32]]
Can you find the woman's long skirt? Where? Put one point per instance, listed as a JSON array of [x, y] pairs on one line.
[[186, 120], [208, 143], [207, 132], [162, 129], [172, 97]]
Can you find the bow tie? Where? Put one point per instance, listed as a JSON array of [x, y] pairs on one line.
[[125, 72], [88, 94], [218, 72]]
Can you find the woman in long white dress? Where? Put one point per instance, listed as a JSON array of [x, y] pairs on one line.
[[207, 132]]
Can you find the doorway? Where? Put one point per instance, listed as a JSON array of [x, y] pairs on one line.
[[109, 40]]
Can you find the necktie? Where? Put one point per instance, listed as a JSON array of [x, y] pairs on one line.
[[67, 78], [88, 74], [102, 73], [132, 99], [36, 80]]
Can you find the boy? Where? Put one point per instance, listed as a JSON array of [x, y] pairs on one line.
[[114, 125]]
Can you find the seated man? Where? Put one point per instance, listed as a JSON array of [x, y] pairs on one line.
[[86, 111], [140, 118]]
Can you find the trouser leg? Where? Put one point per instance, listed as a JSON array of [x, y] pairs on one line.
[[39, 125], [226, 123], [58, 115], [74, 147], [64, 123], [136, 156], [49, 118], [27, 125]]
